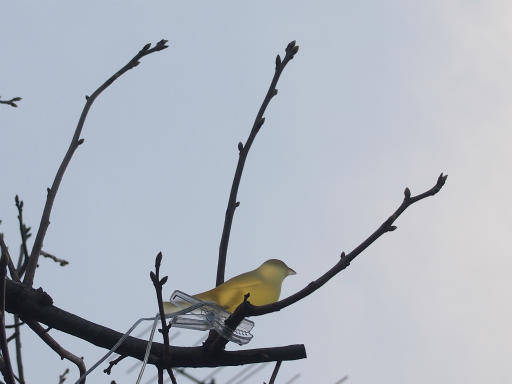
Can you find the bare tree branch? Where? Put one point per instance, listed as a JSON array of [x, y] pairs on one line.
[[14, 325], [5, 251], [216, 342], [182, 372], [25, 234], [61, 262], [7, 371], [344, 378], [345, 260], [75, 143], [2, 368], [33, 304], [274, 373], [243, 150], [63, 353], [12, 337], [158, 284], [111, 364], [62, 378], [160, 376], [37, 305], [19, 360], [11, 102]]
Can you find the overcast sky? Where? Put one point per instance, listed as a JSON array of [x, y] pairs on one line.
[[382, 95]]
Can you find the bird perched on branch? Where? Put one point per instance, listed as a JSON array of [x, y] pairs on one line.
[[263, 284]]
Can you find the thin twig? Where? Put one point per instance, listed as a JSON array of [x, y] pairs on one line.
[[61, 262], [19, 360], [62, 378], [7, 371], [75, 143], [111, 364], [182, 372], [158, 284], [12, 337], [25, 234], [11, 102], [253, 370], [52, 343], [5, 251], [22, 262], [14, 325], [344, 378], [239, 374], [294, 377], [345, 259], [171, 375], [243, 150], [274, 373]]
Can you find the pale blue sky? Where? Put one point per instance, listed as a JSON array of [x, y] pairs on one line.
[[381, 95]]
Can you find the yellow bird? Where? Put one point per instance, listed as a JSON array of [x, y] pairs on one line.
[[263, 284]]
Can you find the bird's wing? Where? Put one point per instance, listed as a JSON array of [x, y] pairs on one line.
[[247, 278], [231, 293]]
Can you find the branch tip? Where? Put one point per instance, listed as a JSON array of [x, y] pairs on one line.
[[158, 260], [278, 62], [441, 180], [162, 43], [61, 262], [407, 193], [290, 45], [80, 142], [292, 49], [240, 146], [11, 102]]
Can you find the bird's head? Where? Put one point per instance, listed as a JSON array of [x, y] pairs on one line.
[[276, 268]]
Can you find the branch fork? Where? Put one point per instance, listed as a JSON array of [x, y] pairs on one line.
[[11, 102]]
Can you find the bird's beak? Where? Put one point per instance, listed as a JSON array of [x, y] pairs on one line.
[[291, 271]]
